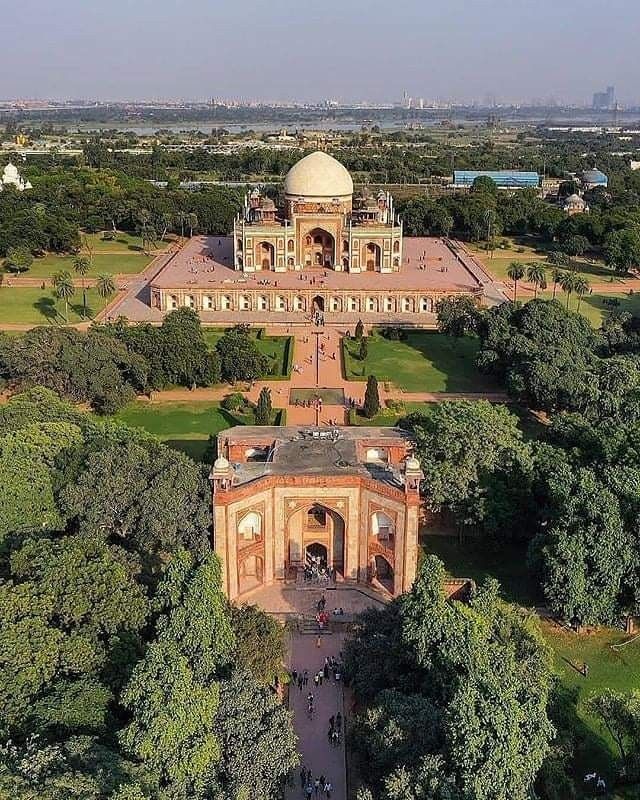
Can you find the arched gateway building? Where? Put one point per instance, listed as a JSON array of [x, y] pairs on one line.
[[326, 249], [348, 498]]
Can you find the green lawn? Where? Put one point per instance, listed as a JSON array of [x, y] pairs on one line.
[[184, 426], [122, 242], [535, 250], [28, 306], [474, 558], [111, 263], [389, 417], [616, 669], [423, 362], [275, 347]]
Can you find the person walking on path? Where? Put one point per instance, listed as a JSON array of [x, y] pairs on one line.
[[305, 677]]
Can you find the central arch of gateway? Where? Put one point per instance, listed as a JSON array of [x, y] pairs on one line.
[[347, 498]]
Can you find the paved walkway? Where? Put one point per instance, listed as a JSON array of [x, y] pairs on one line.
[[316, 752]]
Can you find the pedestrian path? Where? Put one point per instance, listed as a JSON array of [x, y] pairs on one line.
[[316, 751]]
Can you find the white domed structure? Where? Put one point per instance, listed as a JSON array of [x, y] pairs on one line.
[[412, 464], [318, 176], [221, 464], [574, 204], [11, 177]]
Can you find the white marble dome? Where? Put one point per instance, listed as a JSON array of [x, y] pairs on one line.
[[412, 464], [221, 464], [318, 175]]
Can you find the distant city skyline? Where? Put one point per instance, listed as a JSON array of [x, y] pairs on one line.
[[463, 51]]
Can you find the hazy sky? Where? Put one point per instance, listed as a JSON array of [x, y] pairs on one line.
[[316, 49]]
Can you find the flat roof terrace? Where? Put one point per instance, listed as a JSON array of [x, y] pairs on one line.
[[429, 264]]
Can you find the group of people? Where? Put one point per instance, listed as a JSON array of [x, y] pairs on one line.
[[596, 781], [321, 786], [317, 573], [309, 403], [335, 729], [315, 788], [318, 319]]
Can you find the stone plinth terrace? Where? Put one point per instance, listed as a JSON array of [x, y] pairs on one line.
[[429, 264]]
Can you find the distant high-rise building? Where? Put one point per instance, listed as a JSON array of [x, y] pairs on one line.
[[605, 101]]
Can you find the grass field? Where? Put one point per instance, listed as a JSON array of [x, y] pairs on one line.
[[275, 347], [331, 397], [534, 250], [423, 362], [28, 306], [121, 243], [183, 426], [474, 558], [389, 417], [617, 669], [111, 263]]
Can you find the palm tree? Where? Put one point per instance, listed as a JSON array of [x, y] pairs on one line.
[[580, 287], [515, 272], [82, 265], [106, 287], [64, 289], [556, 274], [537, 275], [568, 283]]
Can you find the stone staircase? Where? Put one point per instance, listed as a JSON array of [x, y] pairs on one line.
[[309, 627]]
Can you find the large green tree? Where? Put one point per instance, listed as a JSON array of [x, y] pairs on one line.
[[460, 444], [463, 710], [240, 359], [174, 692], [69, 605], [150, 497]]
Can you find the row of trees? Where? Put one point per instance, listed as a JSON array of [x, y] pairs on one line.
[[453, 696], [48, 217], [109, 364], [613, 226], [567, 494], [536, 273], [125, 674]]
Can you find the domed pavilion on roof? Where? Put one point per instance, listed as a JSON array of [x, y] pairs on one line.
[[320, 225]]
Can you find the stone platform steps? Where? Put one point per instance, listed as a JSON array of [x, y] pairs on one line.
[[309, 627]]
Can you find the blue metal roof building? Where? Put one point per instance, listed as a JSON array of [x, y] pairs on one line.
[[593, 177], [503, 178]]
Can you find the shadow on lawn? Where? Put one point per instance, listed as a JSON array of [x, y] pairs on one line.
[[455, 359], [47, 307], [587, 751], [78, 309]]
